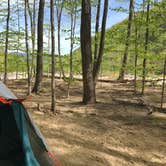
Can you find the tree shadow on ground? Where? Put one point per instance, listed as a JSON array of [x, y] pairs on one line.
[[90, 125], [90, 145]]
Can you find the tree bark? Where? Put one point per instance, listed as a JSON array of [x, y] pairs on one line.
[[73, 14], [86, 53], [27, 48], [6, 43], [18, 38], [97, 65], [39, 66], [146, 49], [32, 16], [53, 102], [135, 60], [97, 31], [138, 27], [59, 8], [163, 86], [125, 56]]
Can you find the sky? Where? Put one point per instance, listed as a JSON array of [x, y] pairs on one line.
[[112, 19]]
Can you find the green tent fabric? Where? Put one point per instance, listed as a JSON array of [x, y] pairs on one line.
[[21, 143], [21, 124], [11, 150]]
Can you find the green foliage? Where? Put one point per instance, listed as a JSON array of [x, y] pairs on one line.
[[115, 43], [14, 62]]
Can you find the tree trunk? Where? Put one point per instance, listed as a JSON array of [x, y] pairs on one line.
[[27, 48], [34, 38], [6, 43], [52, 57], [101, 49], [86, 53], [146, 49], [163, 86], [138, 26], [97, 31], [49, 34], [135, 60], [125, 56], [39, 66], [59, 8], [33, 32], [18, 38], [73, 15], [59, 51]]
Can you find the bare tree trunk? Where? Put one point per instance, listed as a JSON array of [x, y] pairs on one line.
[[59, 8], [89, 96], [125, 56], [32, 16], [59, 51], [6, 43], [137, 37], [39, 67], [135, 60], [146, 49], [49, 46], [49, 51], [163, 86], [52, 57], [73, 15], [18, 39], [97, 31], [101, 49], [27, 48], [33, 38], [49, 31]]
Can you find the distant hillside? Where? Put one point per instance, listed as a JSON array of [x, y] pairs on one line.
[[115, 42]]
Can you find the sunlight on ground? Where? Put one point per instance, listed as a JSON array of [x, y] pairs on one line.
[[107, 134]]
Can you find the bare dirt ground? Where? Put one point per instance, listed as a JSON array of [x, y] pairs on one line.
[[106, 134]]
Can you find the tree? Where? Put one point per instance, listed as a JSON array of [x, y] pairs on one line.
[[73, 14], [52, 57], [89, 96], [162, 13], [39, 66], [59, 7], [90, 69], [18, 38], [163, 85], [136, 56], [97, 30], [146, 46], [124, 61], [6, 42], [32, 16], [27, 47], [138, 22], [98, 61]]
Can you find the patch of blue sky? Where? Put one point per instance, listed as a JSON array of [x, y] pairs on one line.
[[113, 18]]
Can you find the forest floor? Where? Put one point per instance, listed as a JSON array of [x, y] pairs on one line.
[[110, 133]]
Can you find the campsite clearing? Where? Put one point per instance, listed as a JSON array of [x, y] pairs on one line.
[[110, 133]]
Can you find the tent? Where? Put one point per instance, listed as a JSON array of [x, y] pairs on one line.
[[21, 143]]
